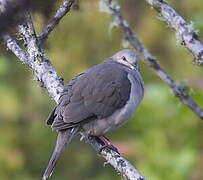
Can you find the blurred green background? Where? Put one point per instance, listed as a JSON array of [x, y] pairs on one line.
[[164, 140]]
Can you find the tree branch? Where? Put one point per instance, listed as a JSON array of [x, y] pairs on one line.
[[120, 164], [188, 36], [61, 12], [16, 49], [178, 90], [46, 73]]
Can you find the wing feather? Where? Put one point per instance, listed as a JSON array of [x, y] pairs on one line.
[[97, 93]]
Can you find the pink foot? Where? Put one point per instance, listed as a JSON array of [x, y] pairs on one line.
[[107, 144]]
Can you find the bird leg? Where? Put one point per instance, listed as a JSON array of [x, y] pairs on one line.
[[106, 144]]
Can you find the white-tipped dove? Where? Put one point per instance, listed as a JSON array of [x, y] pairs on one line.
[[97, 101]]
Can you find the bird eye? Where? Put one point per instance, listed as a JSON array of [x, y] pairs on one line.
[[124, 58]]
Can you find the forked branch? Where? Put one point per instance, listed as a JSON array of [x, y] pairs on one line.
[[178, 90]]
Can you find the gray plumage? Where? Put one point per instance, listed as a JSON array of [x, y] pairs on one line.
[[98, 100]]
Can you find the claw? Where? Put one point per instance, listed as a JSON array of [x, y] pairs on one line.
[[107, 144]]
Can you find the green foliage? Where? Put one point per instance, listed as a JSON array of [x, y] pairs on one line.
[[163, 139]]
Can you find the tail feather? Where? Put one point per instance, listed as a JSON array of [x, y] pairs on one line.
[[63, 138]]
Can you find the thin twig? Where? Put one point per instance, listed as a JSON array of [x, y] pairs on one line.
[[188, 36], [61, 12], [178, 90], [46, 73]]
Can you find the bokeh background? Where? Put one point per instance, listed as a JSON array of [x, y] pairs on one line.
[[164, 140]]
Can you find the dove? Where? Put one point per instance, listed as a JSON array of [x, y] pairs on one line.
[[97, 101]]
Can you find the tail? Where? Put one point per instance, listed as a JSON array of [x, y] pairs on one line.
[[64, 137]]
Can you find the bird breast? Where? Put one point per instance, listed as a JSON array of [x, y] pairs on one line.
[[120, 116]]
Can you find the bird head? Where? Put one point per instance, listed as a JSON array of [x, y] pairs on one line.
[[127, 58]]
